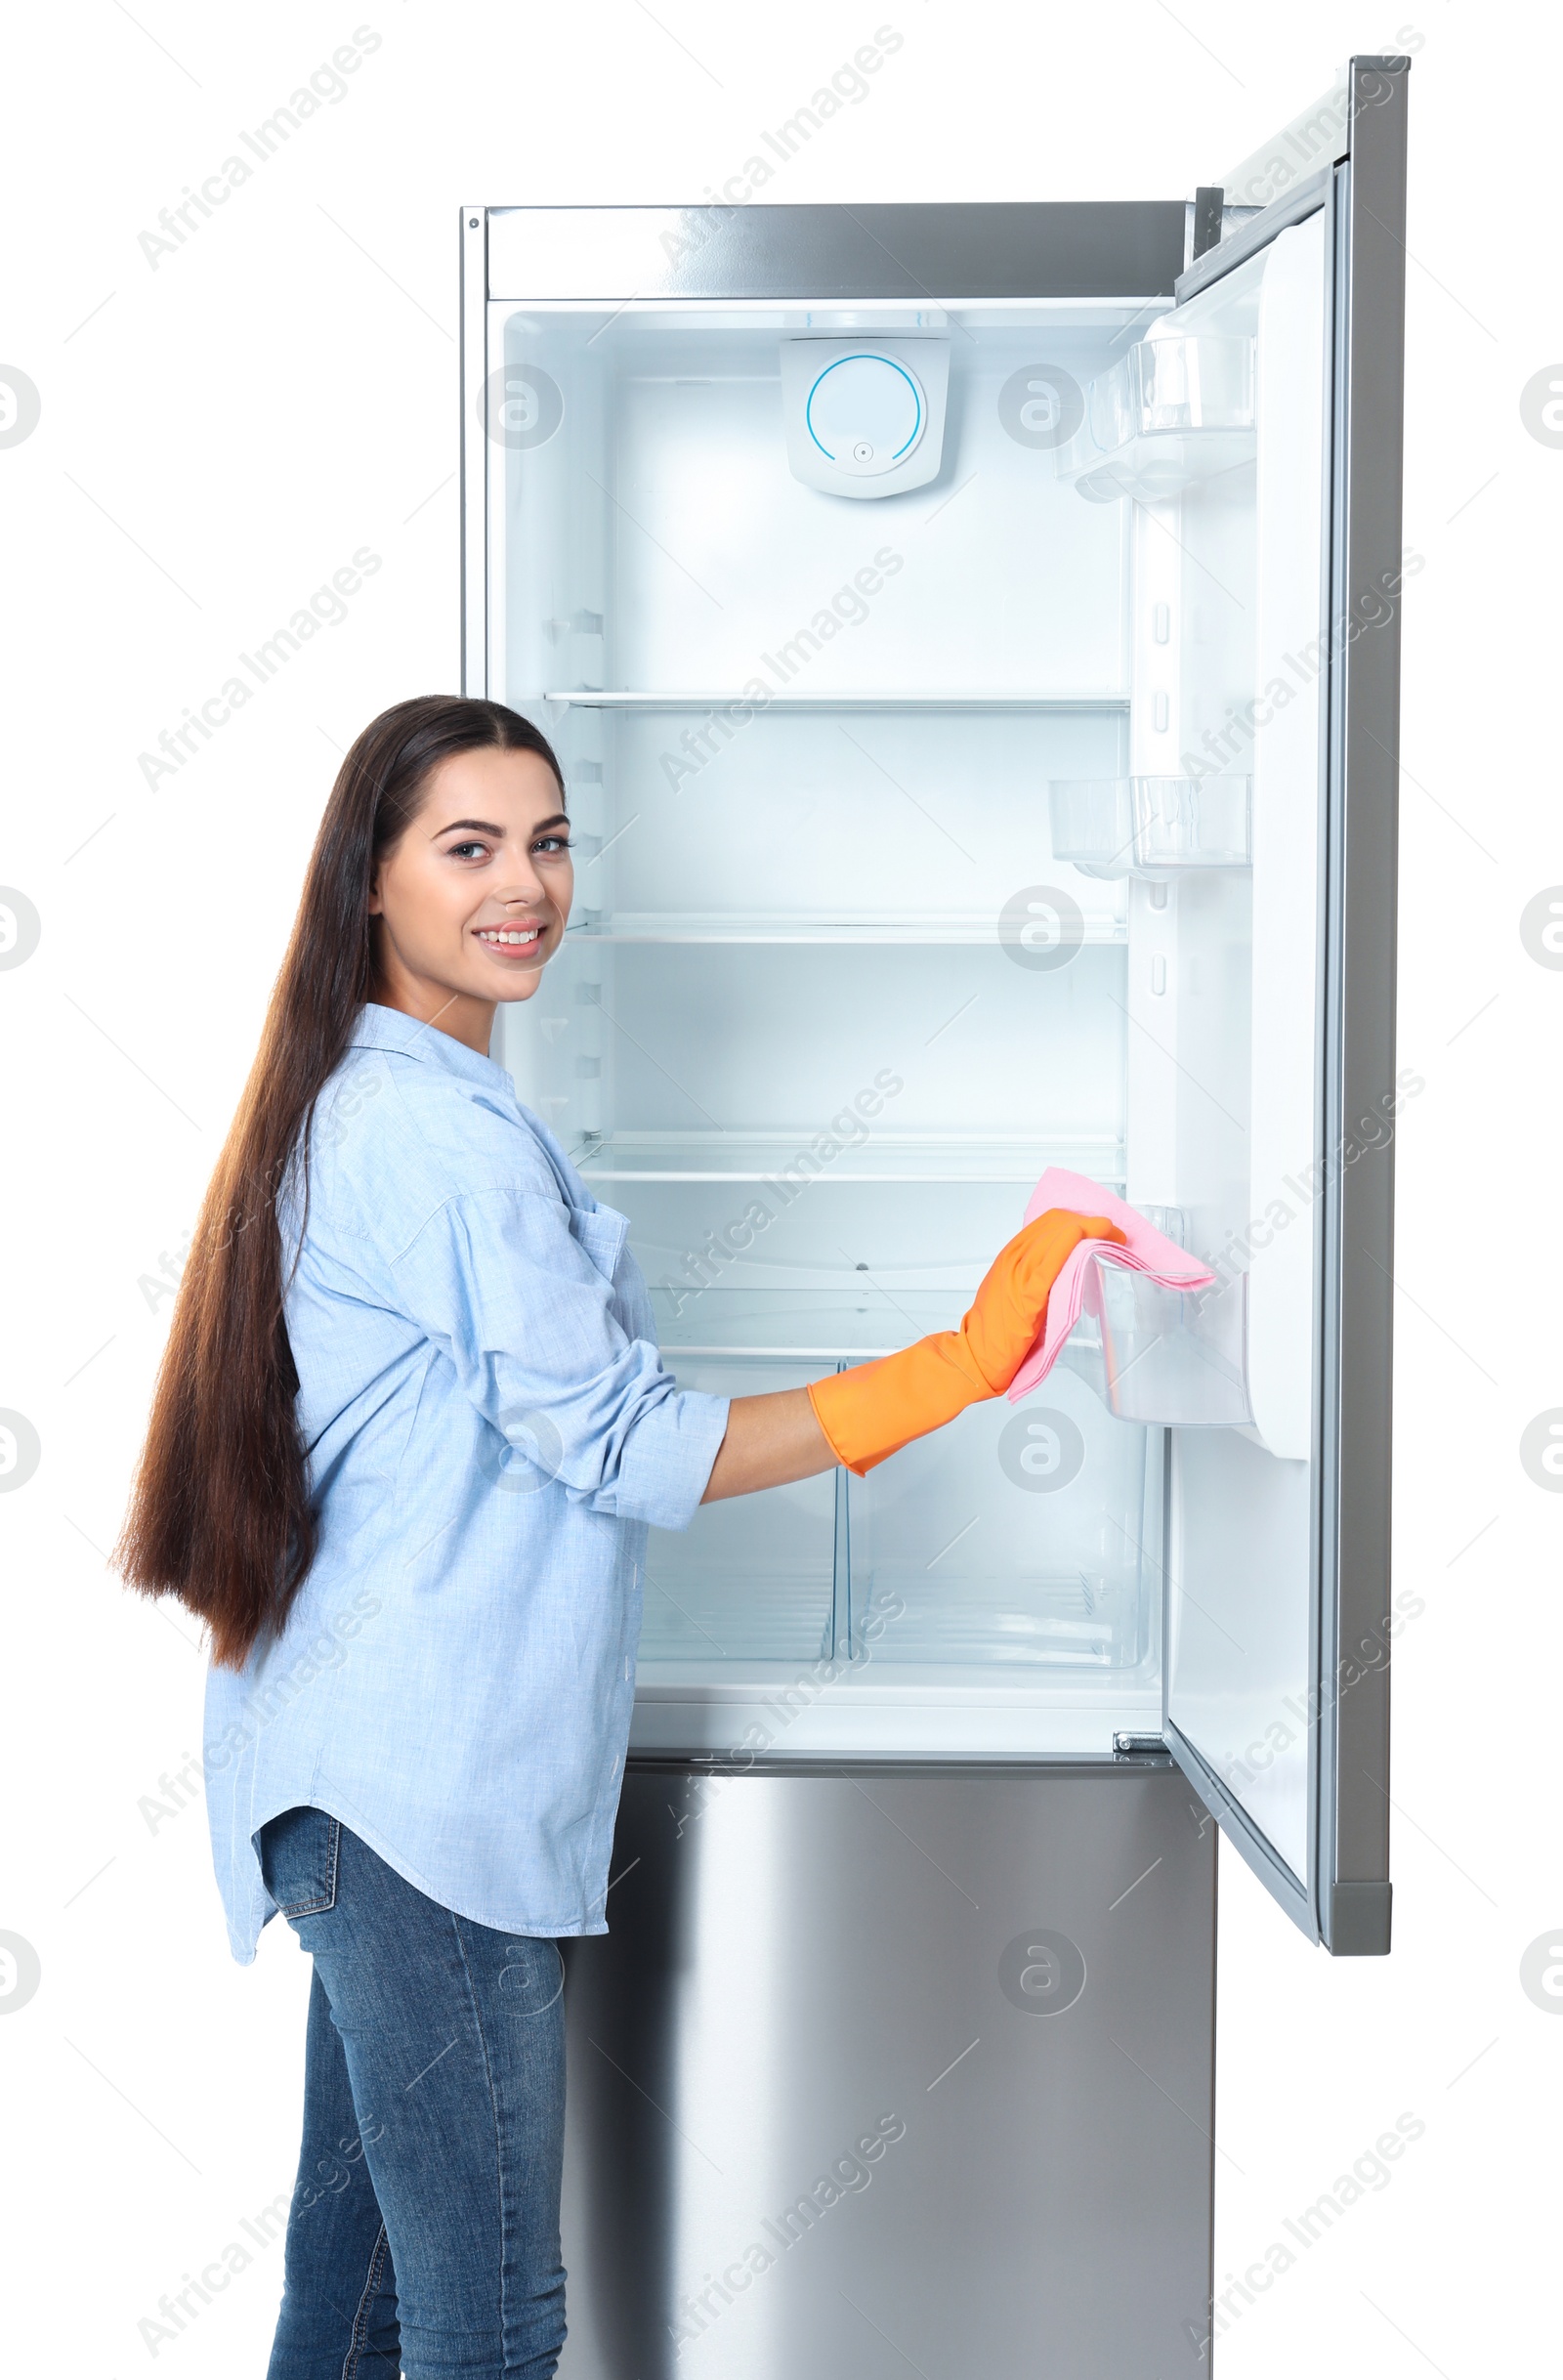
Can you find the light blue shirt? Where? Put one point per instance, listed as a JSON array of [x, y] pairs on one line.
[[490, 1432]]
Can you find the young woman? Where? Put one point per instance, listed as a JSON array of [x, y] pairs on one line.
[[409, 1435]]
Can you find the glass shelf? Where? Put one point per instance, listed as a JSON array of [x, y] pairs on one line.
[[605, 698], [1114, 826], [950, 931], [719, 1156], [816, 1326]]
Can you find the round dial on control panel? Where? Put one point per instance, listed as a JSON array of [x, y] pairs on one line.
[[865, 413]]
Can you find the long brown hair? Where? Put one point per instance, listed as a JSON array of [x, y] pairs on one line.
[[220, 1515]]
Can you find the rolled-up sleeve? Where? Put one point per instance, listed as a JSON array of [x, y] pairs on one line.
[[505, 1290]]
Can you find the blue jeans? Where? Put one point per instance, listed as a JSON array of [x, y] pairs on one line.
[[423, 2237]]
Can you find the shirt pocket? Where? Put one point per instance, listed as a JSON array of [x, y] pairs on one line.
[[602, 1233]]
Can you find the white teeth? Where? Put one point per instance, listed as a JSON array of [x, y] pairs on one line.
[[512, 936]]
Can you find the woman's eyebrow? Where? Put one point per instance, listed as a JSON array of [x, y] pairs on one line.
[[484, 825]]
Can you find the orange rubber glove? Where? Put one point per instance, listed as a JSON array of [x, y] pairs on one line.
[[874, 1410]]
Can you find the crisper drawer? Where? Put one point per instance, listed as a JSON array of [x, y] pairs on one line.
[[1012, 1540], [1015, 1536], [753, 1579]]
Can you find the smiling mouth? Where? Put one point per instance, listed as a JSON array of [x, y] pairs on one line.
[[508, 938]]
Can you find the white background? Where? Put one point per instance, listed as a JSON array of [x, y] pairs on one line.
[[217, 438]]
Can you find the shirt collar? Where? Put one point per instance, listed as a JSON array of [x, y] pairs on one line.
[[380, 1028]]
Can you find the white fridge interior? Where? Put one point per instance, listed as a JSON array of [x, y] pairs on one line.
[[925, 839]]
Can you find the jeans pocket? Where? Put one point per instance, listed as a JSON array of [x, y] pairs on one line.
[[298, 1855]]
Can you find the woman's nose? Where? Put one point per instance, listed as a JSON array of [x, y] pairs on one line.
[[522, 888]]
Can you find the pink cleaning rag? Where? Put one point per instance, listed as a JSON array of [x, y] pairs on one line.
[[1147, 1250]]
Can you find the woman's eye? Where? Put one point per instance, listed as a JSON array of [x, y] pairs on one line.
[[552, 842], [467, 851]]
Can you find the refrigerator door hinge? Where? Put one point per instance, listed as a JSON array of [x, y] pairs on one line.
[[1208, 220], [1130, 1747], [1204, 231]]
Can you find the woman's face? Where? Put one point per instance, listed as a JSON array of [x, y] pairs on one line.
[[474, 898]]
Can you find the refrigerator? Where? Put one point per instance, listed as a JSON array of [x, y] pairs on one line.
[[970, 635]]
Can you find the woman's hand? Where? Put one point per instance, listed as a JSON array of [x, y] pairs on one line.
[[876, 1409], [861, 1416], [1010, 1308]]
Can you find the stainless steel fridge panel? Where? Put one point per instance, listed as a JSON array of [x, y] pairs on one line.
[[925, 255], [882, 2066], [1360, 1073]]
